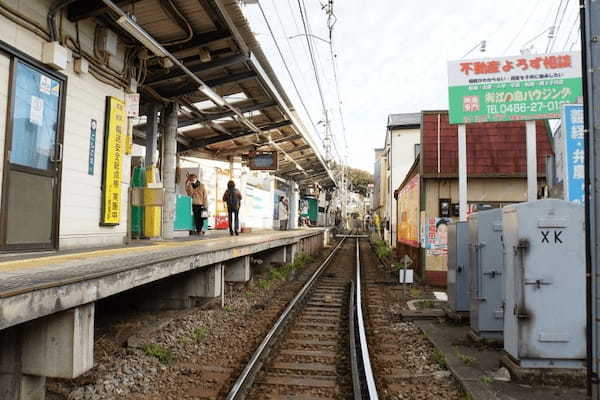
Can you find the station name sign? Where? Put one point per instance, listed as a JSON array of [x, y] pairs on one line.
[[525, 87], [266, 160]]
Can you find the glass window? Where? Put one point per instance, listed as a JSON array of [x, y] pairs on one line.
[[35, 118]]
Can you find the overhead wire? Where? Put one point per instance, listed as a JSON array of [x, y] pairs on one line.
[[304, 17], [535, 7], [551, 38], [288, 70], [575, 23], [556, 31]]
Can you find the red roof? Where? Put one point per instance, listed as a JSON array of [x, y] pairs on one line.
[[493, 149]]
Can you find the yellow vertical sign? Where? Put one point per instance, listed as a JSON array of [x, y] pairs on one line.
[[114, 141]]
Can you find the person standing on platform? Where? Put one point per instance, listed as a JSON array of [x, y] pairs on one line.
[[233, 198], [283, 213], [196, 190]]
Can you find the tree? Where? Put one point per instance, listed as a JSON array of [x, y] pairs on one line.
[[360, 180]]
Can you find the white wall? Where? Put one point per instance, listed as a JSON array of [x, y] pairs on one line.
[[81, 193], [402, 157]]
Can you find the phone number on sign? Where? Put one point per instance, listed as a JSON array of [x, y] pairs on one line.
[[534, 107]]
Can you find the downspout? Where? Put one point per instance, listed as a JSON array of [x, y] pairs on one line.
[[438, 144]]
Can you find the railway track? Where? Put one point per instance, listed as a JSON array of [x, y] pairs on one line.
[[317, 349]]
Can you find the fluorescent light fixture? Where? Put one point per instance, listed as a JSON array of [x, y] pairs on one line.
[[137, 32], [211, 94]]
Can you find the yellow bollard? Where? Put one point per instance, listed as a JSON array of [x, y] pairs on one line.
[[152, 214]]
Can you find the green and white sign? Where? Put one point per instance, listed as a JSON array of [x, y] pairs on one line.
[[513, 88]]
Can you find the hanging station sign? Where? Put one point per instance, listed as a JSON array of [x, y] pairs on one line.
[[266, 161], [114, 141], [515, 88]]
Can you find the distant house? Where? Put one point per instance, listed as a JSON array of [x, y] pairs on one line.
[[392, 163], [427, 198]]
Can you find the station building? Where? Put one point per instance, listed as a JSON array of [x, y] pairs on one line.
[[70, 117], [427, 198]]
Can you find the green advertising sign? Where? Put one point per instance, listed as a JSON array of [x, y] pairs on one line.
[[513, 88]]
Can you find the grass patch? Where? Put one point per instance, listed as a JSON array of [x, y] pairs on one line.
[[228, 309], [199, 334], [486, 379], [159, 352], [468, 360], [285, 271], [439, 358]]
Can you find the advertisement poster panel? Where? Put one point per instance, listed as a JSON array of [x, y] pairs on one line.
[[408, 213]]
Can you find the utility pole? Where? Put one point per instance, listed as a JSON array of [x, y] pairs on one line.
[[590, 43]]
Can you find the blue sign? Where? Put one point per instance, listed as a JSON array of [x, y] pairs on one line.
[[92, 152], [572, 124]]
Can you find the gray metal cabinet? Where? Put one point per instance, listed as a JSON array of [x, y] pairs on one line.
[[486, 257], [544, 319], [458, 266]]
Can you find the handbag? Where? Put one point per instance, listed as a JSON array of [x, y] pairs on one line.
[[204, 214]]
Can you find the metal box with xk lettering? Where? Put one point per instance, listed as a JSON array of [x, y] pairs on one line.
[[486, 255], [458, 266], [544, 318]]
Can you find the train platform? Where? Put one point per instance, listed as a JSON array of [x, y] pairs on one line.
[[36, 284]]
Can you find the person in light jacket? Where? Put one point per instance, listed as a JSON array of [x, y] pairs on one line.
[[283, 213], [233, 199], [196, 190]]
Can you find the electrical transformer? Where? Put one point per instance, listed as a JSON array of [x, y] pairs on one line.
[[544, 259], [458, 266], [486, 256]]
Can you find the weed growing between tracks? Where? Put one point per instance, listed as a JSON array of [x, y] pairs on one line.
[[159, 352]]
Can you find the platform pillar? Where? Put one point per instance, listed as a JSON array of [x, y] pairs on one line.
[[238, 270]]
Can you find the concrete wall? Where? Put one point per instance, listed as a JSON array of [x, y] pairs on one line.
[[85, 100], [402, 157]]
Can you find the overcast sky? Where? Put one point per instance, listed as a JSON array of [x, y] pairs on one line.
[[392, 54]]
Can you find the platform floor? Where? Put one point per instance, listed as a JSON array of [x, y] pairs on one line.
[[21, 273]]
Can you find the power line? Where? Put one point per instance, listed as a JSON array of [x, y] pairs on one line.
[[551, 38], [288, 70], [314, 65], [523, 26], [562, 17], [575, 23]]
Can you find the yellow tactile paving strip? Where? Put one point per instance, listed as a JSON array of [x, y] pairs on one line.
[[16, 265]]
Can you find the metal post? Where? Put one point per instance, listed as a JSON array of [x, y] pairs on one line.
[[168, 171], [151, 135], [462, 172], [590, 32], [531, 161]]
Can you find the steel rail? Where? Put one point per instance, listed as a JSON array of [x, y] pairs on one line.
[[255, 360], [371, 389], [356, 384]]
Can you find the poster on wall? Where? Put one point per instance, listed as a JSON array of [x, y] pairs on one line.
[[114, 132], [408, 213], [222, 177], [434, 235]]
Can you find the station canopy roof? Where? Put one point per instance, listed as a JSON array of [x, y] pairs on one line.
[[214, 41]]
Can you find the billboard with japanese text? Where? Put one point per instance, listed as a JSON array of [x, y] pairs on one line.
[[574, 180], [522, 87], [112, 173]]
